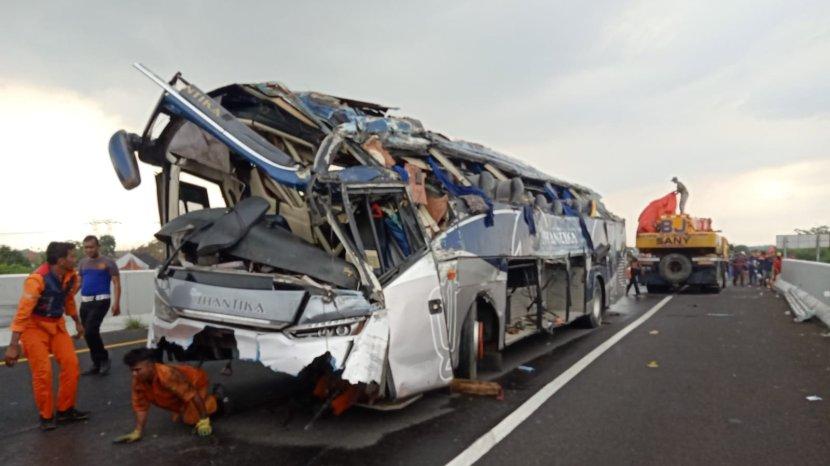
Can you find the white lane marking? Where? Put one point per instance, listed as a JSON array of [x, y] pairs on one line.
[[495, 435]]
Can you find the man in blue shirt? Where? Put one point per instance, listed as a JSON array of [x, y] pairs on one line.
[[97, 272]]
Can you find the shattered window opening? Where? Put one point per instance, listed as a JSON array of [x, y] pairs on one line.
[[370, 240]]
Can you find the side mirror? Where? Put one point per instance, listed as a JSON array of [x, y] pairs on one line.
[[122, 149]]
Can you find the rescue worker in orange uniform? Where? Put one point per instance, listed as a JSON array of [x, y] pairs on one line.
[[179, 388], [48, 294]]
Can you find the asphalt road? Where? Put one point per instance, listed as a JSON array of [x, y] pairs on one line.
[[733, 373]]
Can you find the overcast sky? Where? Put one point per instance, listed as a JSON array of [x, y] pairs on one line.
[[731, 97]]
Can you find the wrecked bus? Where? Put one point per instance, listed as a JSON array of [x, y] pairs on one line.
[[397, 256]]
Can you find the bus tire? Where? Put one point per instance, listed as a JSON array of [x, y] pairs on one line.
[[595, 307], [468, 346]]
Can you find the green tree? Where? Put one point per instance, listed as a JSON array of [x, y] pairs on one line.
[[12, 257], [154, 248], [79, 250], [14, 268], [819, 230], [13, 261], [107, 243]]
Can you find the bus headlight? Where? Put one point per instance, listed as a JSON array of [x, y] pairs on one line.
[[339, 328]]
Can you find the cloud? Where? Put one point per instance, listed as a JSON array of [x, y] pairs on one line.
[[750, 207], [57, 174], [613, 95]]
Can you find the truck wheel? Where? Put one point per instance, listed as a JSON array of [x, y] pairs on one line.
[[468, 348], [675, 268], [595, 305]]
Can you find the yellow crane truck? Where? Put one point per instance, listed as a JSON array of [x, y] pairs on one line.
[[683, 251]]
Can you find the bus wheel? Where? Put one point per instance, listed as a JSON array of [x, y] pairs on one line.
[[469, 346], [594, 317]]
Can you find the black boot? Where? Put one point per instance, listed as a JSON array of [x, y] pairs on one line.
[[94, 370], [47, 424], [72, 415], [105, 367]]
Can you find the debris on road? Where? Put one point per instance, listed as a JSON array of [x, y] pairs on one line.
[[527, 369], [714, 314], [814, 398], [654, 332], [652, 364], [477, 387]]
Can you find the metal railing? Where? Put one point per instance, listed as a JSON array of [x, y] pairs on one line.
[[806, 285]]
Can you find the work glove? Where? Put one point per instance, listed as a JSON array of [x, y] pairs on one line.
[[133, 436], [203, 428]]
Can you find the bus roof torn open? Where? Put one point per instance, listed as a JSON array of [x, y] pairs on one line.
[[348, 235]]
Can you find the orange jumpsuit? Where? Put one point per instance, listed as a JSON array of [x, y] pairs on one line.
[[173, 388], [43, 335]]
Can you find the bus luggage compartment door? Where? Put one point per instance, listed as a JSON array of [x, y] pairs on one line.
[[419, 355]]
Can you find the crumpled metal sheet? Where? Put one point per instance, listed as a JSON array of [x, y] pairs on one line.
[[368, 357], [192, 143], [273, 350], [341, 305], [268, 243]]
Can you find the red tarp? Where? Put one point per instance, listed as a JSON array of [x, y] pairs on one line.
[[648, 219]]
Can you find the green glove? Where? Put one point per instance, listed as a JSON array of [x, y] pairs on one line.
[[203, 428], [133, 436]]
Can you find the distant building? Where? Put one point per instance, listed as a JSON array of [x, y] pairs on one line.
[[137, 261]]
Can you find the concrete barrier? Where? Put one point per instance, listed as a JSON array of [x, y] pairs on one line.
[[136, 294], [806, 285]]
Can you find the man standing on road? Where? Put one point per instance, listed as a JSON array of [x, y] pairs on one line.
[[776, 267], [752, 265], [739, 269], [96, 273], [39, 325], [180, 388], [633, 277], [684, 194], [766, 270]]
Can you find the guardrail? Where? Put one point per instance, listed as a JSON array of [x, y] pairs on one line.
[[806, 285]]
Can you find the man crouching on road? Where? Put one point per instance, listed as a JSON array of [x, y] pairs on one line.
[[48, 294], [181, 389]]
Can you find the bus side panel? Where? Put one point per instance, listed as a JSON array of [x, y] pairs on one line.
[[473, 278], [419, 356]]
